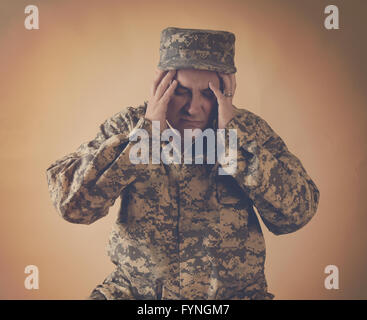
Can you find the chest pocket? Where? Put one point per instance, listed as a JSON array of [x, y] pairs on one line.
[[142, 199], [228, 191]]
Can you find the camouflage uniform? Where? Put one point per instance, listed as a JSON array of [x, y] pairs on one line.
[[183, 231]]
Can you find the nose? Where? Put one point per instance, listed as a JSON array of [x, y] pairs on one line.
[[195, 105]]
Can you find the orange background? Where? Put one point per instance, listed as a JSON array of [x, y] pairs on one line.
[[90, 59]]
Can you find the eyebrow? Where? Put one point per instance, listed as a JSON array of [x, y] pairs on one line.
[[179, 85]]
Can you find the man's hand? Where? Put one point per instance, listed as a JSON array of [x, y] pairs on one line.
[[225, 107], [161, 93]]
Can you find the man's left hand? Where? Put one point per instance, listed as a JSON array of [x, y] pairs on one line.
[[225, 107]]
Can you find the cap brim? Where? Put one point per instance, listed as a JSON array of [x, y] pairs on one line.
[[196, 64]]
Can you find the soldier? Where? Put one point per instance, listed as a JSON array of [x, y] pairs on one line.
[[184, 231]]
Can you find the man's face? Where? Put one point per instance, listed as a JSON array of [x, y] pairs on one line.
[[193, 102]]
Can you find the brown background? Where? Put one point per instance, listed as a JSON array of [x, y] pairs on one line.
[[90, 59]]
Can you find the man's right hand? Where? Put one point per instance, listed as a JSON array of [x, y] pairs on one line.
[[162, 90]]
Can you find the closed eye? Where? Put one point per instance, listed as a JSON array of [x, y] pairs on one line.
[[208, 93], [180, 91]]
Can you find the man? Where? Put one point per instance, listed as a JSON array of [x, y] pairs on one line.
[[183, 230]]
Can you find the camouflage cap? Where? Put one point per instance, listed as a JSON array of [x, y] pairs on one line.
[[198, 49]]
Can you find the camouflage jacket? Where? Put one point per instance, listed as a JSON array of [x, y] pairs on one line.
[[183, 231]]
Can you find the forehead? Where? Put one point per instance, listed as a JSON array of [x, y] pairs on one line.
[[192, 78]]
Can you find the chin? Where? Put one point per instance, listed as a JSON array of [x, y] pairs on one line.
[[192, 128]]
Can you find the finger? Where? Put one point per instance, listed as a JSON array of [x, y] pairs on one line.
[[234, 84], [216, 91], [227, 83], [159, 74], [162, 87], [169, 92]]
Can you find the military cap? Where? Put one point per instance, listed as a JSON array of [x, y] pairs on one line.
[[198, 49]]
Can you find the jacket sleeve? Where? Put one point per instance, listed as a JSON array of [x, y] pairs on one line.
[[274, 179], [84, 184]]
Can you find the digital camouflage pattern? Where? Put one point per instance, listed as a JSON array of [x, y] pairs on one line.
[[198, 49], [183, 231]]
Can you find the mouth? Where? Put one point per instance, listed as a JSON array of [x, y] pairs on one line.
[[191, 122]]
